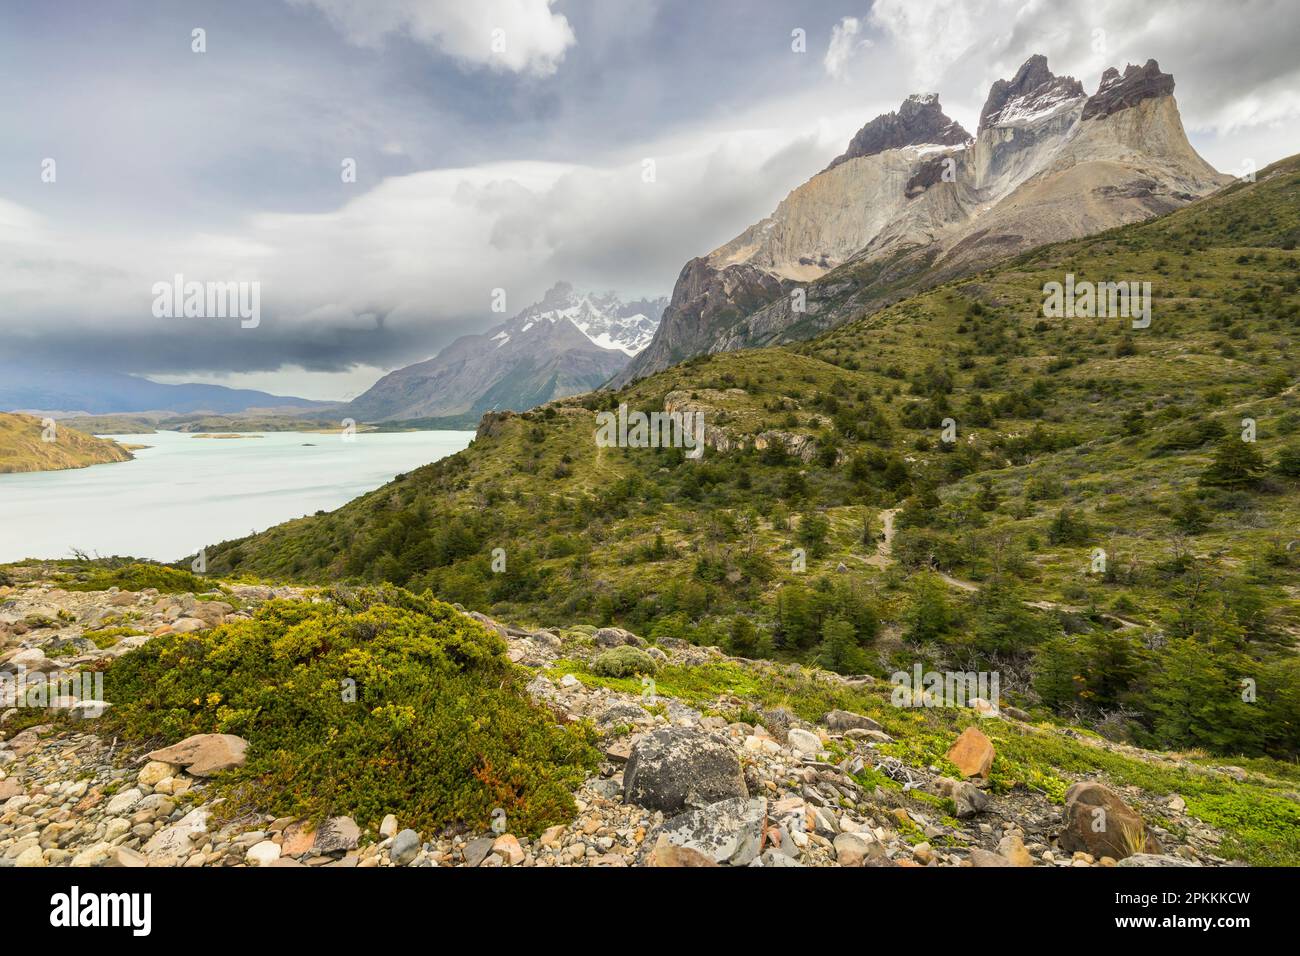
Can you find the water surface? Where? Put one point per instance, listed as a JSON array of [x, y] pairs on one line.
[[185, 492]]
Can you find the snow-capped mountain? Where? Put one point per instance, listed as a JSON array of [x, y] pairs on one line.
[[567, 343]]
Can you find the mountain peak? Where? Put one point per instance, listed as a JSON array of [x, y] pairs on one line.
[[919, 121], [1034, 91], [1120, 91]]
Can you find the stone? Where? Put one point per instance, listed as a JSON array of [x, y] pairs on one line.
[[124, 856], [1096, 821], [154, 772], [176, 840], [88, 709], [477, 850], [205, 754], [263, 854], [967, 798], [804, 741], [388, 827], [406, 845], [297, 839], [30, 858], [667, 853], [985, 858], [507, 847], [336, 835], [842, 720], [122, 802], [676, 768], [728, 832], [617, 637], [856, 848], [972, 753], [1154, 859], [95, 855], [1012, 847]]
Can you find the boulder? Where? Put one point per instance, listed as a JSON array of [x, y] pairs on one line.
[[176, 840], [336, 835], [1154, 859], [804, 741], [406, 845], [677, 768], [842, 720], [204, 754], [972, 753], [854, 848], [667, 853], [262, 854], [985, 858], [728, 832], [1096, 821], [617, 637], [966, 797]]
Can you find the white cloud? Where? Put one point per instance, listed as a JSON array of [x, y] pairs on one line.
[[846, 41], [531, 38]]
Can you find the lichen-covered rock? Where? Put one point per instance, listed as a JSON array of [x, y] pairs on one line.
[[678, 768], [1098, 822]]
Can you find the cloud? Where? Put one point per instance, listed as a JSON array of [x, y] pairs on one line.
[[520, 36], [844, 46], [1234, 64]]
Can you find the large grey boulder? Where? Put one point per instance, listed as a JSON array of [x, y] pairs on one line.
[[679, 768]]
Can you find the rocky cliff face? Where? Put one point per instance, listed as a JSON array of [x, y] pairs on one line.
[[915, 201], [565, 344]]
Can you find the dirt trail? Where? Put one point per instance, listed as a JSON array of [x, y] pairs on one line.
[[884, 555]]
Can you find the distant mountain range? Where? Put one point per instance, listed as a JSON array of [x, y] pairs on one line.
[[25, 388], [569, 342], [915, 200]]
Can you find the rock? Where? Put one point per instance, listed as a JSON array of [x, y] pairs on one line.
[[1097, 821], [154, 772], [476, 850], [1015, 713], [667, 853], [728, 832], [842, 720], [406, 845], [204, 754], [263, 854], [804, 741], [857, 848], [388, 827], [124, 856], [122, 802], [188, 625], [777, 721], [95, 855], [551, 836], [984, 858], [336, 835], [972, 753], [676, 768], [88, 709], [175, 840], [508, 848], [30, 858], [617, 637], [9, 787], [1012, 847], [297, 839], [1154, 859], [967, 798]]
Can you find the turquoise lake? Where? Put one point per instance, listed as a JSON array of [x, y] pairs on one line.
[[184, 492]]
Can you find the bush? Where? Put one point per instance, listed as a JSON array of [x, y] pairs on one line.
[[622, 662], [137, 577], [369, 702]]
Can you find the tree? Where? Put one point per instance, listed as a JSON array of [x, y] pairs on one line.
[[839, 648], [1236, 464], [744, 637], [813, 529], [1288, 462], [928, 616]]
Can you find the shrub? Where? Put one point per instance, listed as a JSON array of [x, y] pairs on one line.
[[137, 577], [366, 703], [622, 662]]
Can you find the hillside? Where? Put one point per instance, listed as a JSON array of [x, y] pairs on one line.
[[23, 448], [1073, 435]]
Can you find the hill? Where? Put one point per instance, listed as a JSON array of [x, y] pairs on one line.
[[1098, 532], [23, 446]]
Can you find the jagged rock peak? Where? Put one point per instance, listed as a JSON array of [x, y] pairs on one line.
[[1119, 92], [1034, 91], [920, 121]]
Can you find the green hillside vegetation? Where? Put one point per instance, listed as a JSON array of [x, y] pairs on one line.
[[1074, 437], [23, 446]]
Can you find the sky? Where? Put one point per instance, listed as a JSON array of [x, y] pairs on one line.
[[495, 144]]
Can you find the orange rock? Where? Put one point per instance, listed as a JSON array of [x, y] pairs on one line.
[[972, 753]]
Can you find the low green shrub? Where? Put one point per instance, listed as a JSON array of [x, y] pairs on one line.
[[366, 703], [622, 662], [137, 577]]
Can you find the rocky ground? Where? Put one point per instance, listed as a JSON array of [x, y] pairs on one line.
[[677, 788]]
